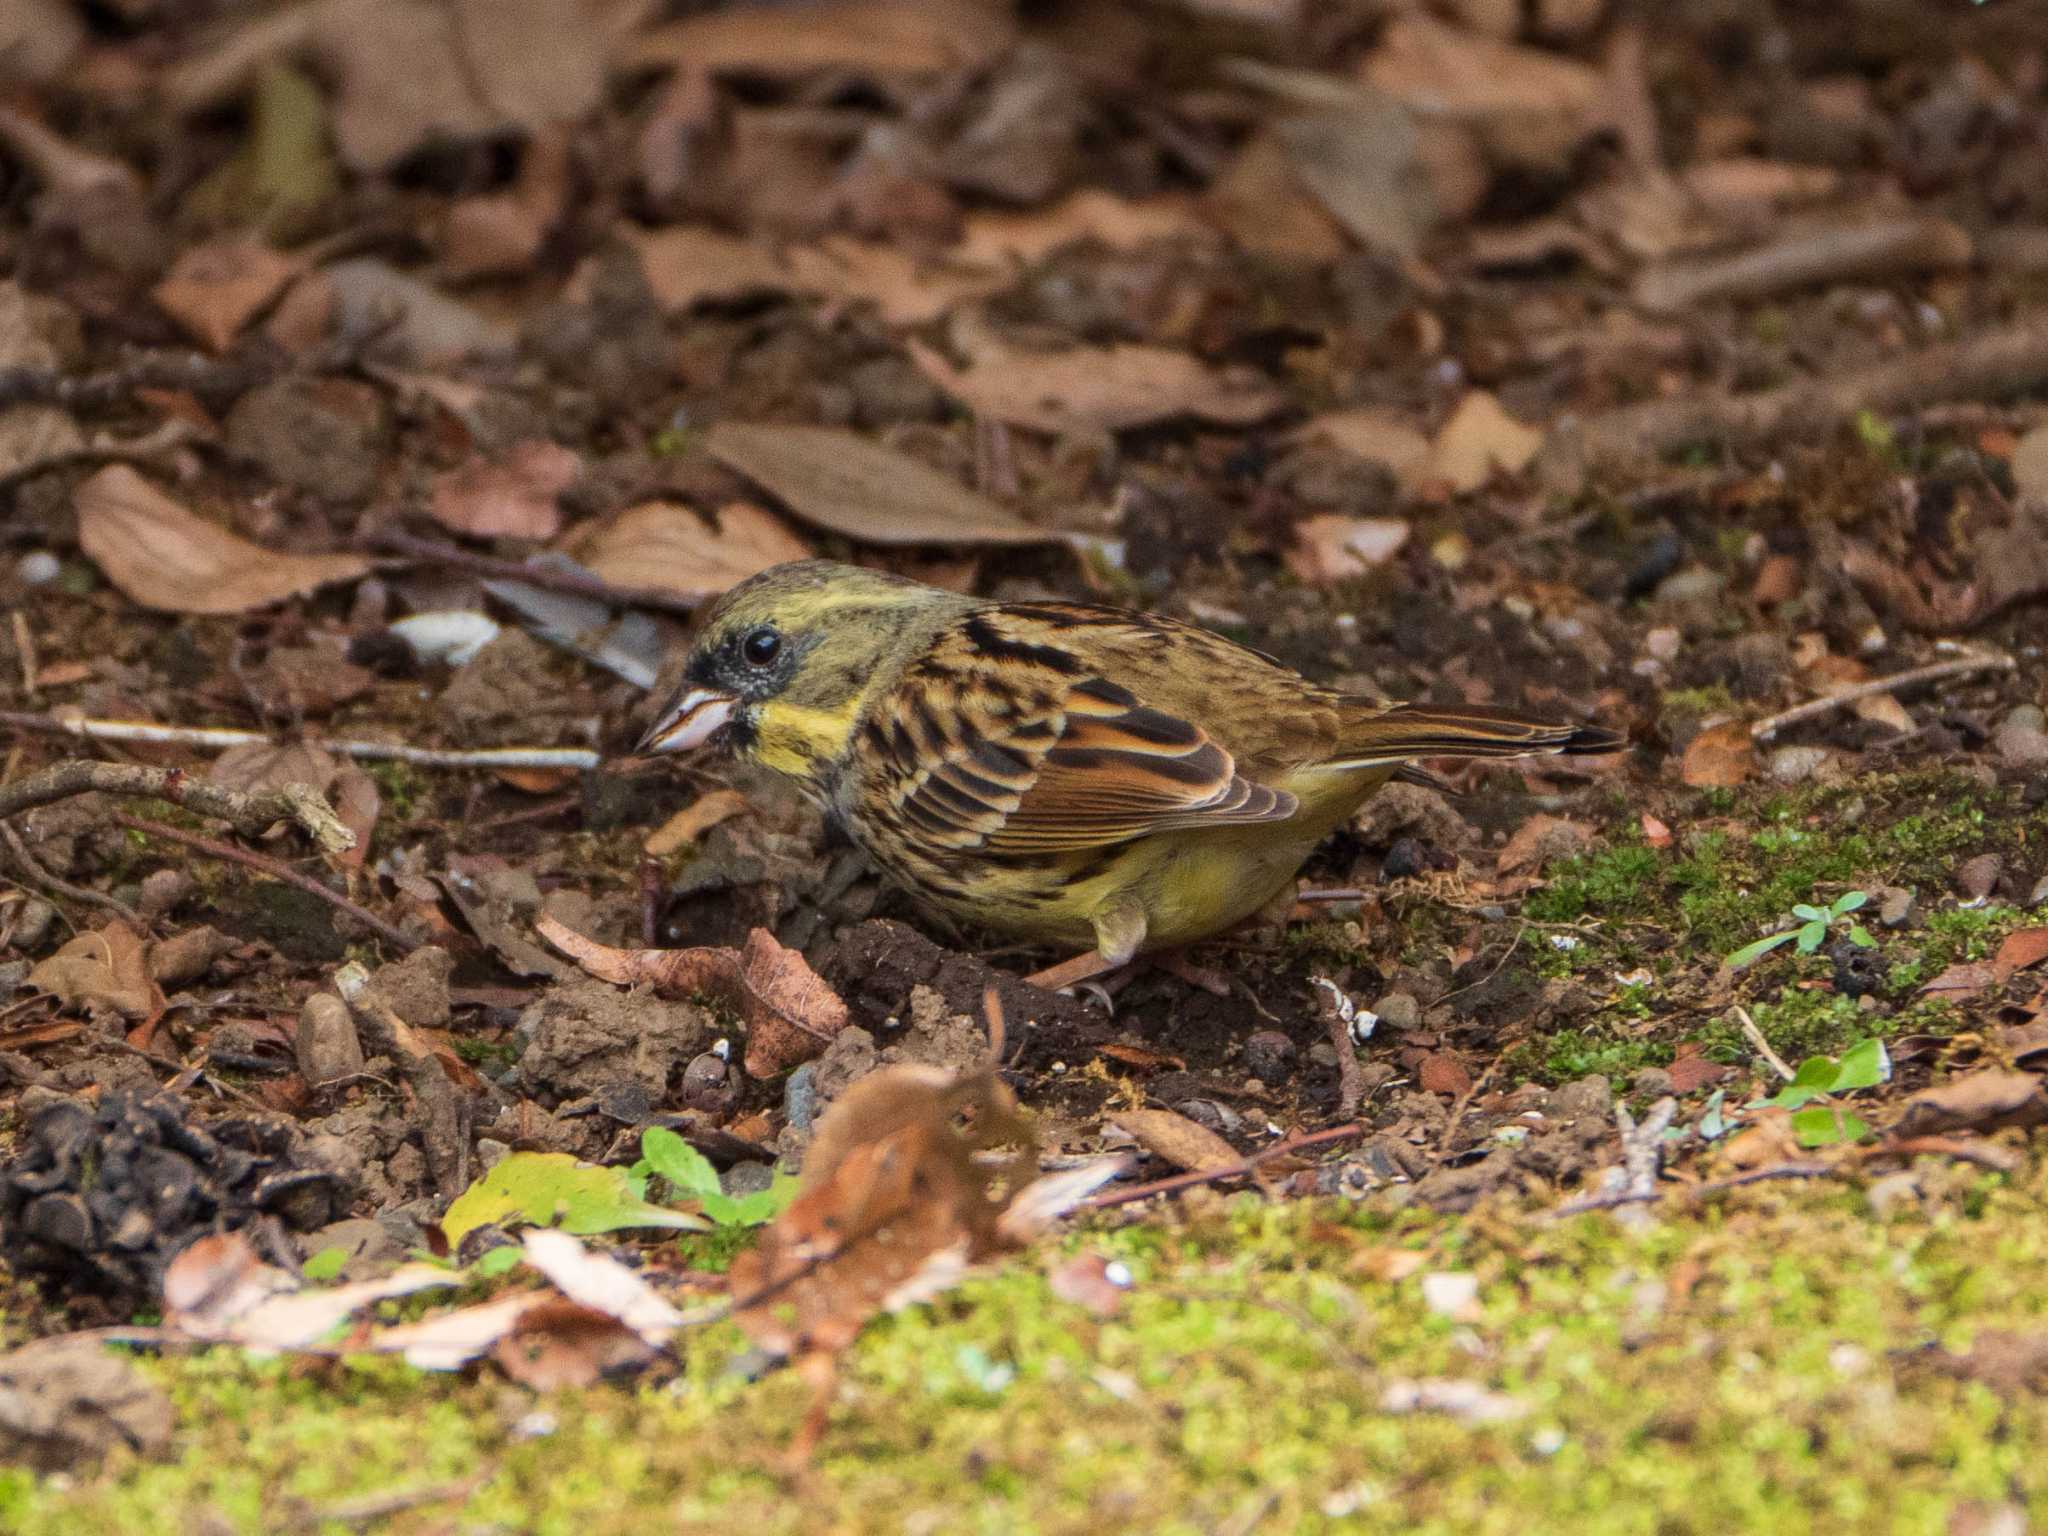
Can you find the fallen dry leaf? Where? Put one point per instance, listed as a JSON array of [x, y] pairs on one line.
[[218, 1288], [1655, 833], [693, 821], [995, 239], [1380, 436], [1180, 1141], [2020, 950], [1479, 439], [2030, 464], [1979, 1101], [1098, 388], [165, 558], [1720, 757], [502, 232], [903, 289], [1964, 979], [790, 1013], [896, 1202], [260, 767], [514, 497], [105, 969], [1531, 106], [686, 266], [1331, 547], [358, 803], [214, 289], [667, 545], [842, 481], [408, 73], [857, 37]]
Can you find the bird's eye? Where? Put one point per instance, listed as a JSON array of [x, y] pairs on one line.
[[761, 647]]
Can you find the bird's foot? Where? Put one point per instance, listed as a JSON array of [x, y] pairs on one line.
[[1106, 978], [1176, 963]]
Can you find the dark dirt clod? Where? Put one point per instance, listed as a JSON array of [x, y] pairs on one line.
[[876, 967], [583, 1036], [100, 1200]]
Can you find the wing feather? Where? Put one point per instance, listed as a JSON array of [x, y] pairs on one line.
[[1003, 740]]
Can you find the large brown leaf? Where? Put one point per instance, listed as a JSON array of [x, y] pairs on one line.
[[841, 481], [164, 557]]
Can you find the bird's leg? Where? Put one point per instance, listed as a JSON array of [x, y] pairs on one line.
[[1119, 930], [1175, 962]]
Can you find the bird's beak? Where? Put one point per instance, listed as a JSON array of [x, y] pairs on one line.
[[689, 722]]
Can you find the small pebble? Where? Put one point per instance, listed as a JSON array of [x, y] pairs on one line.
[[327, 1047], [490, 1152], [1977, 877], [746, 1178], [1449, 1294], [38, 568], [1662, 643], [1693, 585], [1270, 1056], [1896, 905], [1651, 1083], [800, 1098], [2039, 893], [32, 924], [1398, 1010], [1795, 765], [2019, 743]]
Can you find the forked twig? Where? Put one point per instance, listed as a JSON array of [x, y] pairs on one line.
[[1961, 666]]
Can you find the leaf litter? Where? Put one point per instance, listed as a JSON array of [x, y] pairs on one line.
[[1306, 351]]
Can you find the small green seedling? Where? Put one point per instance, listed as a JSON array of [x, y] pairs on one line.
[[686, 1169], [1816, 1123], [1812, 932]]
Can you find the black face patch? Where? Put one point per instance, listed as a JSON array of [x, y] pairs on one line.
[[742, 663]]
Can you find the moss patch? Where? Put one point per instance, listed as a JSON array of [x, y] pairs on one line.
[[1755, 1365]]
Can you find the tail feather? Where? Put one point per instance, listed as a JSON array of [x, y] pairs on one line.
[[1428, 730]]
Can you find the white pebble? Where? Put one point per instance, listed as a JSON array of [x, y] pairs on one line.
[[39, 568]]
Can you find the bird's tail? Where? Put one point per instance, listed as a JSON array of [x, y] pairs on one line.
[[1409, 731]]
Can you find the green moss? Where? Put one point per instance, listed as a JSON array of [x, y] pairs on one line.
[[1613, 882], [401, 787], [1247, 1379], [1697, 701]]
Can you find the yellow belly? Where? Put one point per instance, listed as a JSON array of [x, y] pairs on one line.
[[1190, 883]]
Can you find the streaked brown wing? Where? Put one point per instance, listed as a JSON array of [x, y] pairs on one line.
[[1001, 741]]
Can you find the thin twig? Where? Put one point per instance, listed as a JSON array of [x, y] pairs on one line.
[[575, 583], [1695, 1192], [250, 814], [1934, 672], [1229, 1171], [1760, 1045], [2003, 360], [1340, 1016], [219, 738], [33, 868], [277, 871], [1443, 1145]]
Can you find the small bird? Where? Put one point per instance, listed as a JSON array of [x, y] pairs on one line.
[[1064, 773]]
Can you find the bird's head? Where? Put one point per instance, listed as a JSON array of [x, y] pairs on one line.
[[782, 663]]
